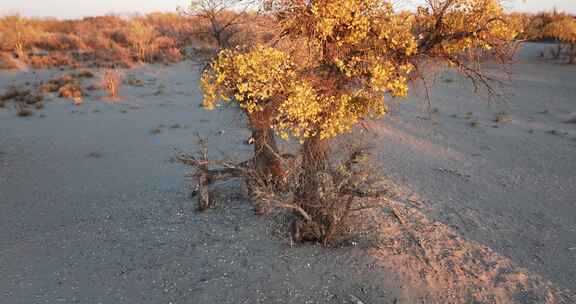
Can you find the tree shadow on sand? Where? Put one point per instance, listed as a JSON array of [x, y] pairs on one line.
[[436, 265]]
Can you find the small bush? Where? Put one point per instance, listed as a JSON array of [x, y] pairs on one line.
[[73, 91], [503, 117], [140, 37], [110, 82], [55, 59], [23, 99]]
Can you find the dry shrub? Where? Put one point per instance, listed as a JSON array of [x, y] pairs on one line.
[[54, 59], [112, 42], [108, 54], [15, 34], [140, 36], [49, 87], [22, 99], [73, 91], [120, 37], [108, 41], [59, 42], [115, 56], [20, 95], [163, 42], [164, 49], [70, 42], [104, 22], [173, 25], [53, 85], [66, 86], [110, 82]]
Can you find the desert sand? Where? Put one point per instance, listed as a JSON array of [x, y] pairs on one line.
[[95, 209]]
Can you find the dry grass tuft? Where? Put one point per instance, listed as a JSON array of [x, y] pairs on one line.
[[66, 86], [110, 82], [72, 91]]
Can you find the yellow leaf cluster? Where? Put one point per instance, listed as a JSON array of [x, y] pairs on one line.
[[250, 78], [467, 25], [306, 113], [364, 49]]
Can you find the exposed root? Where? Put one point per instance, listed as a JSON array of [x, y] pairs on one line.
[[324, 221]]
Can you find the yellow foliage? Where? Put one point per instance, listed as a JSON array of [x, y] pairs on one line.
[[251, 78], [360, 51], [466, 26], [363, 49]]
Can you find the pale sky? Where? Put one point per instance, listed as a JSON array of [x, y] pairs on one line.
[[80, 8]]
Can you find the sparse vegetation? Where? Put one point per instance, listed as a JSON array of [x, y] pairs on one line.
[[22, 99], [73, 91], [106, 41]]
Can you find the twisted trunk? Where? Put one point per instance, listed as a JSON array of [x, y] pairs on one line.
[[309, 195], [267, 158], [266, 161], [314, 161]]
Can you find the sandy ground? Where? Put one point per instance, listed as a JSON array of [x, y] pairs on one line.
[[93, 208]]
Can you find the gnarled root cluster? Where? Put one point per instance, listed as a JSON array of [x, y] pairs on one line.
[[322, 213]]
